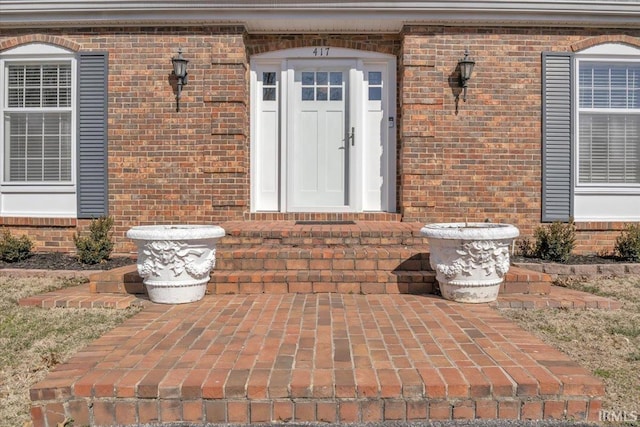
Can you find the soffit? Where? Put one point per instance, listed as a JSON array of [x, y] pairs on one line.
[[285, 16]]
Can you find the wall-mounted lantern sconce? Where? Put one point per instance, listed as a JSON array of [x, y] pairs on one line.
[[180, 71], [466, 65]]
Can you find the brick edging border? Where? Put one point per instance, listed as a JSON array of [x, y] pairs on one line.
[[556, 270]]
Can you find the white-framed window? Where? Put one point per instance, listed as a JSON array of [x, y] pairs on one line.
[[38, 122], [607, 133], [609, 122], [38, 131]]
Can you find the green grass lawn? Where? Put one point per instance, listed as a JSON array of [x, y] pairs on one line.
[[33, 339], [605, 342]]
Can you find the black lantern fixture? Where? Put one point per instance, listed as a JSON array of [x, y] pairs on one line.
[[180, 71], [466, 65]]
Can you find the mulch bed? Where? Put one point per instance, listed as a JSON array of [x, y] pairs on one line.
[[62, 261]]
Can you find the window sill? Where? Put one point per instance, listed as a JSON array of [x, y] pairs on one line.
[[607, 190], [30, 188], [38, 222]]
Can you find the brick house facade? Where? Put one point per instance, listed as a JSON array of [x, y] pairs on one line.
[[450, 160]]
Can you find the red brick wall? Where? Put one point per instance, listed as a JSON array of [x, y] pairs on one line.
[[166, 166], [476, 160], [481, 159], [189, 166]]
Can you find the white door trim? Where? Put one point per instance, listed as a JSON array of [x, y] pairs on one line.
[[380, 196]]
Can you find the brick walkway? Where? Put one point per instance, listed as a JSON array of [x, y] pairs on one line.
[[313, 357]]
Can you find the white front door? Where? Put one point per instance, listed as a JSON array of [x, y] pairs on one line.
[[320, 139], [323, 131]]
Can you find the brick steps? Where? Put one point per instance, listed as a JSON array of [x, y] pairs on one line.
[[343, 257], [315, 358], [322, 281], [125, 280], [366, 257], [291, 233]]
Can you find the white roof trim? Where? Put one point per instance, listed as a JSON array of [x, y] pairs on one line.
[[316, 16]]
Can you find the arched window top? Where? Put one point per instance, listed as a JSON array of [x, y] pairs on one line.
[[621, 49], [37, 49]]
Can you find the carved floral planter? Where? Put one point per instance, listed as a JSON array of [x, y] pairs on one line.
[[470, 260], [175, 261]]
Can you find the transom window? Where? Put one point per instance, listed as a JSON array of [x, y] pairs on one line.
[[609, 122], [38, 122]]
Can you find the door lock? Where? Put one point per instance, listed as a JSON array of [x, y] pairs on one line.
[[352, 136]]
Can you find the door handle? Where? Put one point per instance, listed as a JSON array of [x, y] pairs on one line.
[[352, 136]]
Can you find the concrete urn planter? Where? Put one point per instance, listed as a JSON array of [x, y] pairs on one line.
[[175, 261], [470, 259]]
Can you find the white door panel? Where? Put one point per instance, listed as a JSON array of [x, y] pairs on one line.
[[319, 170], [305, 153], [265, 155], [377, 135]]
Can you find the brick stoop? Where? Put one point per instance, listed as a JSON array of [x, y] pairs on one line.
[[366, 257], [315, 358]]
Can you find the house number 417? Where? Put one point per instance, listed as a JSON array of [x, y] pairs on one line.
[[321, 51]]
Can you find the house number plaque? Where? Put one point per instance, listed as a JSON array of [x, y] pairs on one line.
[[320, 51]]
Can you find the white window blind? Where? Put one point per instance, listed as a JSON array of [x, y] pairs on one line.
[[609, 123], [37, 123]]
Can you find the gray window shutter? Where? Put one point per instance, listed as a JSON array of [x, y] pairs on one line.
[[92, 135], [557, 137]]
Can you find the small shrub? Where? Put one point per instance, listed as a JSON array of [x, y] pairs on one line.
[[14, 249], [627, 244], [556, 241], [97, 246], [526, 248]]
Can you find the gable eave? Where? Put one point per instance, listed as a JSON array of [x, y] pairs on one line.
[[282, 16]]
